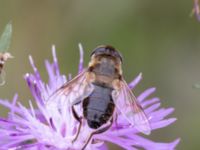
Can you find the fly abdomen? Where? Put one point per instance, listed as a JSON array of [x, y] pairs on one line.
[[98, 107]]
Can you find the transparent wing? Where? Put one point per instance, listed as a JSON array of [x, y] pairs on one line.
[[128, 106], [73, 91]]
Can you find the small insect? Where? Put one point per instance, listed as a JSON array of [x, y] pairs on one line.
[[3, 58], [4, 46], [102, 91]]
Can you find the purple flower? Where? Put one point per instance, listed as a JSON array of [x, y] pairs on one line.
[[196, 10], [50, 128]]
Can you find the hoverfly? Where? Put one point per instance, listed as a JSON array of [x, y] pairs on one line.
[[102, 91], [4, 55]]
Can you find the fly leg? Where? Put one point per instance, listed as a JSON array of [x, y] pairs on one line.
[[101, 130], [116, 123], [79, 119], [115, 116]]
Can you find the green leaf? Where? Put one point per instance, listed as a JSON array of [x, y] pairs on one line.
[[196, 85], [6, 38]]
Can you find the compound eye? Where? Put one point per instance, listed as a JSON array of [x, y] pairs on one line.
[[99, 50], [106, 50], [118, 55]]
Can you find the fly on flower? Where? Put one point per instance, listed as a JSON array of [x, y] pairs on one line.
[[103, 94], [4, 46]]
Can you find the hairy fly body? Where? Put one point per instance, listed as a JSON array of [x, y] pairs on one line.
[[103, 93]]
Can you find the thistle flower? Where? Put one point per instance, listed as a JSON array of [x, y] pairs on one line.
[[50, 128], [196, 10]]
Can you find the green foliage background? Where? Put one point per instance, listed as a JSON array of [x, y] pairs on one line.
[[157, 38]]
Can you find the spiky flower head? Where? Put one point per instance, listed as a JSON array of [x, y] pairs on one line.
[[52, 128]]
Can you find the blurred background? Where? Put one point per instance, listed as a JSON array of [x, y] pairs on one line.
[[158, 38]]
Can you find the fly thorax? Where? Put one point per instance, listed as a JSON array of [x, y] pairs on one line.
[[105, 67]]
